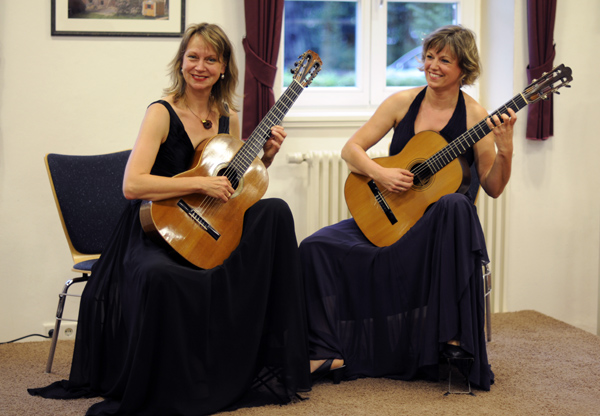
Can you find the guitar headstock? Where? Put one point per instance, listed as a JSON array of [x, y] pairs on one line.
[[306, 68], [540, 89]]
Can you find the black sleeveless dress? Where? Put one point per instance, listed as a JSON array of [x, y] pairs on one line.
[[158, 336], [388, 311]]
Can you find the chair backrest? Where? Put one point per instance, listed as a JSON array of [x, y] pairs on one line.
[[89, 198]]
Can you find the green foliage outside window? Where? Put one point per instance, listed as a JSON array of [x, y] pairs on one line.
[[330, 29]]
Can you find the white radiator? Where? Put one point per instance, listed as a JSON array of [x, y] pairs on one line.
[[492, 215], [326, 205], [327, 173]]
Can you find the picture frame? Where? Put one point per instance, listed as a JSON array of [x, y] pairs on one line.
[[157, 18]]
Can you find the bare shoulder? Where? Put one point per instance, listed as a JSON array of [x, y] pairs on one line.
[[156, 123], [158, 109], [475, 111], [234, 124], [404, 97], [397, 104], [233, 116]]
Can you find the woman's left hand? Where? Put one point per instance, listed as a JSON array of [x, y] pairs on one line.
[[503, 130], [272, 146]]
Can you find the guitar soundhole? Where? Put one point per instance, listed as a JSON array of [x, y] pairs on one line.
[[423, 176], [232, 175]]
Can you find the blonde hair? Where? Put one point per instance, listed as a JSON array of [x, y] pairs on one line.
[[461, 42], [223, 92]]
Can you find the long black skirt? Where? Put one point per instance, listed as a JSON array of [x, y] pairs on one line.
[[158, 336], [387, 312]]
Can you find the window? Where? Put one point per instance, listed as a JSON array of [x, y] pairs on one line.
[[369, 48]]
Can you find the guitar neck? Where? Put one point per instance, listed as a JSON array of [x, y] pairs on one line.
[[248, 152], [466, 140]]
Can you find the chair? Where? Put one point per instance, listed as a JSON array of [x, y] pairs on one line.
[[89, 199], [474, 189], [468, 362]]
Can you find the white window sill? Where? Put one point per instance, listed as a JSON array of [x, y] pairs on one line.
[[298, 118]]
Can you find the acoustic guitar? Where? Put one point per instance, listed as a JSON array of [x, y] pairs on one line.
[[205, 230], [383, 216]]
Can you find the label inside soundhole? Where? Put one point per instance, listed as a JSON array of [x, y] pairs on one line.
[[423, 176]]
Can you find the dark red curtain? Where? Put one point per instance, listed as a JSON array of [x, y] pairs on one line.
[[541, 15], [263, 35]]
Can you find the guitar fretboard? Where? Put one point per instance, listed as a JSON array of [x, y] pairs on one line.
[[466, 140], [248, 152]]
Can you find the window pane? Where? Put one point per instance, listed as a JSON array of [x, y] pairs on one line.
[[329, 29], [407, 24]]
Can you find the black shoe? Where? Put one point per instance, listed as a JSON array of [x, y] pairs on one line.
[[325, 370], [454, 352]]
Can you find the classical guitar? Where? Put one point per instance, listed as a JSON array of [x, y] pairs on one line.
[[203, 229], [384, 217]]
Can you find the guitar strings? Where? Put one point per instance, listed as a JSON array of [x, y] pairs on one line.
[[243, 158], [461, 144], [241, 161]]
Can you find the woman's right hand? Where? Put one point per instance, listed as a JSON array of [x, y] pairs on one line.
[[217, 187], [394, 179]]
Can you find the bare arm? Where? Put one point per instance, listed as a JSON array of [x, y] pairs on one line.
[[387, 115], [138, 183], [493, 153]]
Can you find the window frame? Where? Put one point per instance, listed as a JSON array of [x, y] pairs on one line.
[[371, 89]]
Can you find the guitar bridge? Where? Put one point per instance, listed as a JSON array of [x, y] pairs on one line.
[[382, 202], [198, 219]]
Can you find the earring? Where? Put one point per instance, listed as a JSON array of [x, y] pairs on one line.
[[222, 76]]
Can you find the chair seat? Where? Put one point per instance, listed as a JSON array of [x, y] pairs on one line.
[[84, 266]]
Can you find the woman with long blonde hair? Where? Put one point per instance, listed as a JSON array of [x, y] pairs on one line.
[[158, 335]]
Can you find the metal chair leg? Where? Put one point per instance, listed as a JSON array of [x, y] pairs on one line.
[[488, 319], [487, 287], [469, 365], [263, 379], [62, 296]]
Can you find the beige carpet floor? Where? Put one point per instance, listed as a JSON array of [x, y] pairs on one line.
[[542, 366]]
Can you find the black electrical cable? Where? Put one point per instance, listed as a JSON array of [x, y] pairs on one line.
[[32, 335]]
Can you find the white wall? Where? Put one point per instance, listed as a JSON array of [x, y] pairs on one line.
[[88, 95], [554, 226], [74, 95]]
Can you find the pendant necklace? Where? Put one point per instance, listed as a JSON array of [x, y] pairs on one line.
[[206, 123]]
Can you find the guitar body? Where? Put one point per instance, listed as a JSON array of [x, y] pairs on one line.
[[409, 206], [166, 221]]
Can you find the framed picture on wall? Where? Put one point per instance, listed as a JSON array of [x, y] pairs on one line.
[[140, 18]]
